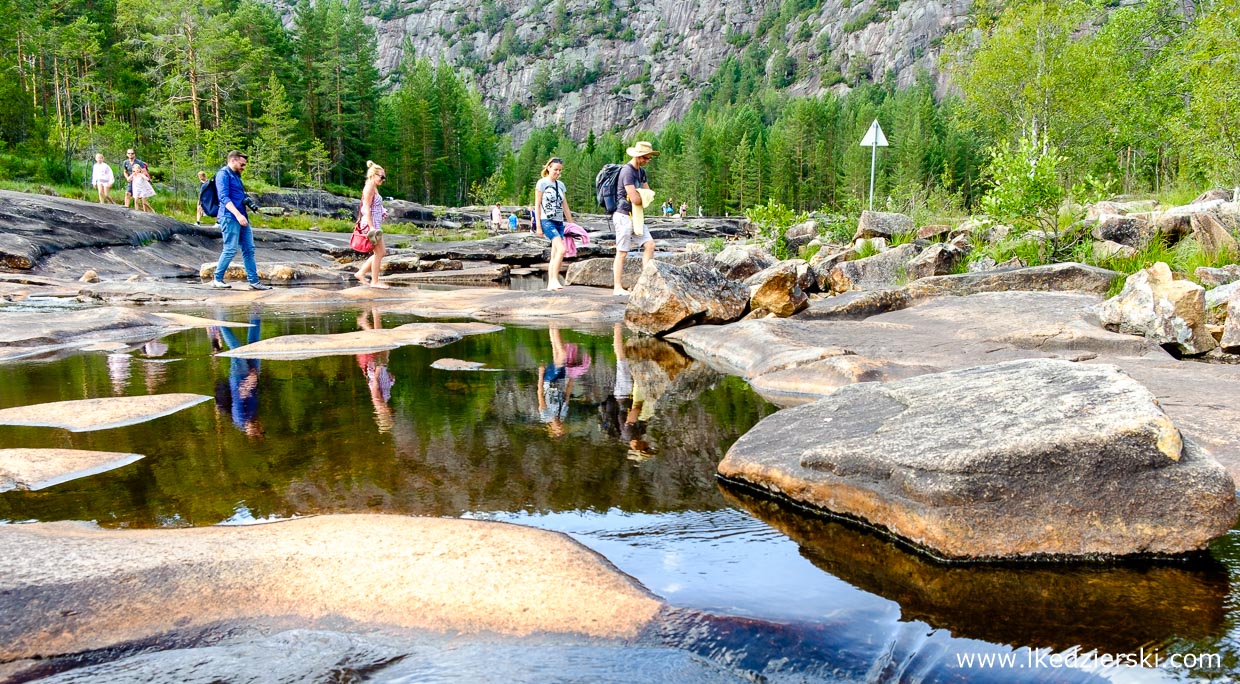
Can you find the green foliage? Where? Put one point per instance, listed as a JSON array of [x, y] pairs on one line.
[[861, 21], [867, 248], [714, 245], [807, 252], [773, 220], [1025, 188]]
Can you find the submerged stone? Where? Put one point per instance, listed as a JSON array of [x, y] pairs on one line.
[[83, 415], [360, 341], [35, 469], [1015, 460]]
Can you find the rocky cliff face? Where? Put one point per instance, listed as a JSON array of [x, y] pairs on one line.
[[638, 65]]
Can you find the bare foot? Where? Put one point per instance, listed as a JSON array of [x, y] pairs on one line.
[[380, 286], [361, 276], [552, 287], [620, 292]]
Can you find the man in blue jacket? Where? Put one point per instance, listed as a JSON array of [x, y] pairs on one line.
[[234, 223]]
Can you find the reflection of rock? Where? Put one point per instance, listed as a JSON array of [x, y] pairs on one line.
[[71, 588], [459, 365], [99, 414], [1112, 608], [41, 468], [1043, 458], [360, 341]]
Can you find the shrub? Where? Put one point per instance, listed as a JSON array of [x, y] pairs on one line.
[[773, 220], [714, 245]]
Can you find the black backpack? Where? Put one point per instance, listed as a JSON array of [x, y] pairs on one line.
[[209, 198], [605, 187]]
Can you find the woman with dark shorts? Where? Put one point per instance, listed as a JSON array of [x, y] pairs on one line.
[[550, 213]]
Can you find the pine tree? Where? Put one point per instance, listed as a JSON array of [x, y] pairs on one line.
[[275, 149]]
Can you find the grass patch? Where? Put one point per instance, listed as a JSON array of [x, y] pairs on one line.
[[807, 252], [714, 245], [867, 248]]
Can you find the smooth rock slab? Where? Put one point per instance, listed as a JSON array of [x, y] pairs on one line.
[[1024, 459], [460, 365], [71, 587], [359, 341], [34, 469], [84, 415]]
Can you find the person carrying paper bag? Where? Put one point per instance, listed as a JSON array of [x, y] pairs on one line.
[[630, 208]]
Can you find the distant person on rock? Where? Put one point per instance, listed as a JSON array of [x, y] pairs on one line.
[[142, 189], [202, 182], [497, 218], [127, 168], [551, 204], [512, 222], [234, 223], [372, 215], [102, 178], [684, 210], [632, 177]]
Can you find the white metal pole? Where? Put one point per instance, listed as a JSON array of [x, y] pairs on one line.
[[873, 159]]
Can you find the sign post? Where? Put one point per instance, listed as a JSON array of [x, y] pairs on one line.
[[873, 139]]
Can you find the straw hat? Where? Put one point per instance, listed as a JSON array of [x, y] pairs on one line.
[[641, 149]]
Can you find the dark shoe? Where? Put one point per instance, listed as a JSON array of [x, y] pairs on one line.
[[220, 285], [258, 286]]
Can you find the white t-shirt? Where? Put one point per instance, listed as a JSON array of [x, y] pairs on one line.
[[552, 198], [102, 174]]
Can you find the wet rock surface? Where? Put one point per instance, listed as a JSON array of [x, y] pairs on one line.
[[360, 341], [1043, 458], [72, 587], [35, 469], [64, 238], [99, 414]]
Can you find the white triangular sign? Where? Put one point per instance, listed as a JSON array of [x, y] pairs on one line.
[[874, 136]]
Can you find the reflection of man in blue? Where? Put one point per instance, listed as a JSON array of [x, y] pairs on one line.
[[243, 381]]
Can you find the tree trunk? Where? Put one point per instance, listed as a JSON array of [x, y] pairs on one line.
[[191, 59]]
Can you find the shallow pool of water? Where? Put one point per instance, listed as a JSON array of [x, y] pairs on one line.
[[540, 438]]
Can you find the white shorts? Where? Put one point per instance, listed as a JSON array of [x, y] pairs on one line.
[[625, 239]]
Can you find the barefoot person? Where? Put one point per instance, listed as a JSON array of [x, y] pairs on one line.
[[102, 178], [631, 179], [202, 183], [372, 215], [551, 212]]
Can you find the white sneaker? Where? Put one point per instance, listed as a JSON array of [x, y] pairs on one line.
[[257, 286], [220, 285]]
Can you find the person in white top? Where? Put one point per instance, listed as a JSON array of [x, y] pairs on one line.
[[101, 177], [497, 218]]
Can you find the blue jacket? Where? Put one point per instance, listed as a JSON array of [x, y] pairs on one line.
[[229, 189]]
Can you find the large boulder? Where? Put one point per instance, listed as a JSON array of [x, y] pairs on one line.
[[1026, 459], [883, 270], [1231, 331], [801, 234], [776, 290], [882, 224], [1065, 277], [668, 297], [274, 272], [820, 266], [599, 272], [738, 262], [937, 259], [1211, 236], [1126, 230], [1213, 277], [1214, 195], [1166, 310]]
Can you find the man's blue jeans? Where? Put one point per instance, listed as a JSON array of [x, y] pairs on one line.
[[236, 235]]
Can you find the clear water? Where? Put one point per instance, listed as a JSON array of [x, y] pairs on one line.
[[759, 590]]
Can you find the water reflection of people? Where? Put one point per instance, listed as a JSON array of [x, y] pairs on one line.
[[118, 372], [378, 377], [241, 395], [633, 395]]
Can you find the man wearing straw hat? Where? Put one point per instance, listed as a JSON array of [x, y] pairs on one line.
[[632, 178]]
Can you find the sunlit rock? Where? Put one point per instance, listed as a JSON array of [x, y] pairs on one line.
[[83, 415], [359, 341], [1165, 310], [35, 469], [1014, 460]]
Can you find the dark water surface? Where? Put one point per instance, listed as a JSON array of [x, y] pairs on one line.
[[758, 589]]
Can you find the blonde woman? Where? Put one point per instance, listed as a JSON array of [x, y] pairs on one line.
[[551, 212], [372, 215]]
